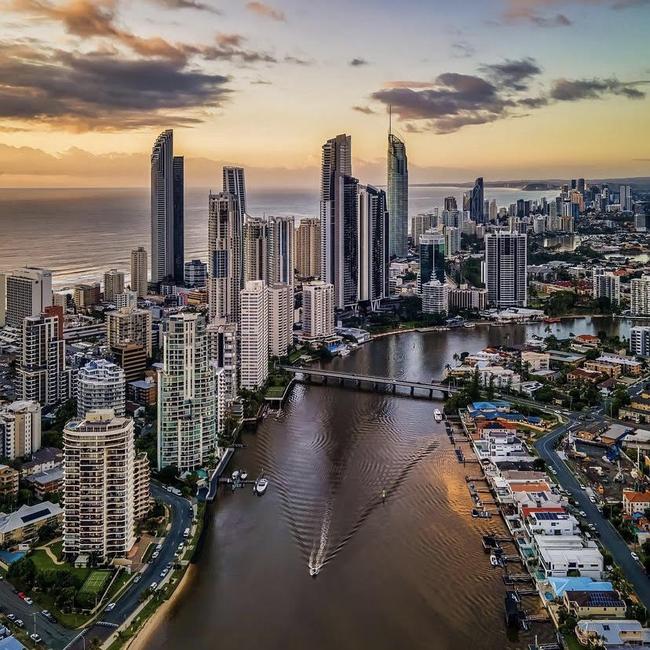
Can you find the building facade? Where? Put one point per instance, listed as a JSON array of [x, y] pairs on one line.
[[640, 296], [432, 258], [372, 245], [505, 269], [254, 336], [317, 310], [307, 248], [113, 285], [139, 270], [398, 188], [280, 319], [101, 385], [434, 298], [25, 292], [20, 429], [187, 433], [130, 325]]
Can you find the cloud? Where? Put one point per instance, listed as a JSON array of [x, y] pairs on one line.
[[265, 10], [296, 60], [529, 10], [356, 63], [565, 90], [93, 90], [462, 50], [513, 74], [526, 14], [453, 101], [187, 4], [366, 110]]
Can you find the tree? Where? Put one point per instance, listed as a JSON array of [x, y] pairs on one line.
[[168, 475]]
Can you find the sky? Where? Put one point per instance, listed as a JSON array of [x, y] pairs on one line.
[[506, 89]]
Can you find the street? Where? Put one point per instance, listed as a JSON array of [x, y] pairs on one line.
[[609, 536], [181, 513]]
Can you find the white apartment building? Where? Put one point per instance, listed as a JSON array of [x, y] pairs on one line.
[[139, 269], [254, 335], [99, 487], [20, 429], [25, 292], [505, 269], [113, 284], [187, 397], [452, 240], [129, 325], [435, 297], [317, 310], [640, 341], [280, 321], [640, 296], [101, 385], [606, 285], [126, 300]]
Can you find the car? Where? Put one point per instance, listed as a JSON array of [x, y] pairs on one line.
[[154, 586], [137, 579], [21, 595], [634, 556], [28, 600], [110, 607], [36, 638], [582, 513], [11, 617], [19, 622], [158, 546], [164, 572], [46, 613], [155, 555], [553, 470]]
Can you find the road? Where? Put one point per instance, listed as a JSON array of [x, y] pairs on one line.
[[181, 514], [609, 536], [54, 635]]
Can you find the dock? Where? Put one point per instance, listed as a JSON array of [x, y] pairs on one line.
[[218, 471]]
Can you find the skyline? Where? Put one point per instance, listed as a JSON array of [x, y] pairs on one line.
[[85, 87]]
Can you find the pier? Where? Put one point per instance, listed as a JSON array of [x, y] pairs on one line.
[[218, 471]]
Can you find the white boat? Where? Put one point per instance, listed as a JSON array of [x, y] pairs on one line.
[[493, 560], [313, 571], [437, 415], [260, 485], [244, 476], [235, 475]]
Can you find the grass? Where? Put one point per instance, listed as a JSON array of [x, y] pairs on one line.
[[274, 392], [43, 562], [572, 643], [57, 549]]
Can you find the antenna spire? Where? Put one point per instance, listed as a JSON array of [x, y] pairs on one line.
[[390, 119]]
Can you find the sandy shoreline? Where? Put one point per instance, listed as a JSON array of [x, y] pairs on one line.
[[142, 638]]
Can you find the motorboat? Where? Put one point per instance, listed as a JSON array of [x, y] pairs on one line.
[[494, 561], [243, 475], [260, 485], [437, 415], [313, 571], [235, 475]]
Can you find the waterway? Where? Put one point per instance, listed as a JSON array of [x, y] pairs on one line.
[[405, 573]]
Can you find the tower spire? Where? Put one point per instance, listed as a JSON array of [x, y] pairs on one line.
[[390, 119]]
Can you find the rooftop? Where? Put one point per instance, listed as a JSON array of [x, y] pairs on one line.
[[26, 515]]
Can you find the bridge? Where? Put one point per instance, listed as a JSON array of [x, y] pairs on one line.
[[375, 383]]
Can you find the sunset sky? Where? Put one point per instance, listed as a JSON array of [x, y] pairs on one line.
[[503, 88]]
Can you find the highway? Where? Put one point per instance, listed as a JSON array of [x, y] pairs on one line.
[[609, 536], [181, 512]]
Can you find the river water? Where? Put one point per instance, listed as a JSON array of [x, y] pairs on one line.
[[408, 573]]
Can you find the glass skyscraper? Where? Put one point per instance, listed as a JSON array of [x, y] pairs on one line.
[[398, 197]]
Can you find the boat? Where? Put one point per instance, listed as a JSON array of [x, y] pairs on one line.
[[244, 475], [235, 475], [494, 561], [260, 486], [469, 325], [344, 352], [437, 415], [313, 571], [475, 513], [552, 320]]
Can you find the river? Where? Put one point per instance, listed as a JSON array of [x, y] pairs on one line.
[[408, 573]]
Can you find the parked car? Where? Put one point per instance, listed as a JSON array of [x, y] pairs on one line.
[[28, 600], [634, 556], [35, 638], [154, 586], [110, 607], [11, 617], [19, 622], [21, 595]]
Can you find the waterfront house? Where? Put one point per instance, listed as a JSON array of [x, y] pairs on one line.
[[629, 365], [549, 521], [565, 555], [640, 439], [595, 604], [555, 588], [613, 634]]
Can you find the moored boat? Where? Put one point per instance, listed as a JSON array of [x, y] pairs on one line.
[[261, 485]]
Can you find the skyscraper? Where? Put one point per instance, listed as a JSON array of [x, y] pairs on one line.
[[222, 344], [281, 234], [103, 488], [166, 210], [20, 429], [129, 325], [307, 248], [225, 256], [398, 196], [450, 203], [139, 271], [179, 218], [234, 183], [101, 385], [336, 161], [476, 206], [256, 254], [640, 296], [432, 259], [317, 310], [254, 336], [373, 244], [113, 284], [27, 292], [42, 373], [187, 396], [505, 269], [420, 223], [280, 319], [435, 297]]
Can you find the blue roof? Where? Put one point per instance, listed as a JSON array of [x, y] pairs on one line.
[[582, 583], [11, 643], [494, 405]]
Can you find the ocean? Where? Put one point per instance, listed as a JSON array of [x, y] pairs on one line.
[[80, 233]]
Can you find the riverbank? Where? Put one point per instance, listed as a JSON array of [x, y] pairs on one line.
[[143, 636]]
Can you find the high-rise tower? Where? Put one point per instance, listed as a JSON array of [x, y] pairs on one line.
[[398, 196]]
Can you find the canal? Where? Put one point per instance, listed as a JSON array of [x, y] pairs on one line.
[[405, 573]]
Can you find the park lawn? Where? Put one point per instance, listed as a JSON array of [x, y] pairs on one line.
[[57, 548], [95, 583], [273, 392], [43, 562]]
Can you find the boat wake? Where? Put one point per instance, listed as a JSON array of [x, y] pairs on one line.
[[318, 556]]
